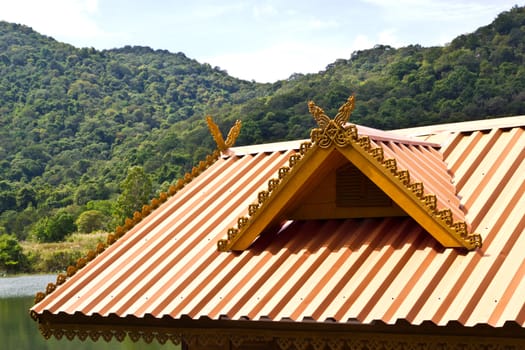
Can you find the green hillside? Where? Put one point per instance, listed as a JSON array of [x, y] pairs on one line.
[[74, 121]]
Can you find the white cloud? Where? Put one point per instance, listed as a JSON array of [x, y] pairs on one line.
[[265, 40], [389, 37], [362, 42], [62, 19], [320, 24], [200, 12], [279, 61], [438, 10], [433, 22], [260, 11], [91, 6]]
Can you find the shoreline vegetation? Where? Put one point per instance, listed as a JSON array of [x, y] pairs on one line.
[[55, 257]]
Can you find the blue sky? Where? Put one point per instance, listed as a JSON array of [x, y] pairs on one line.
[[262, 40]]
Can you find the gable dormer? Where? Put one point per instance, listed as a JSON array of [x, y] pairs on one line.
[[343, 174]]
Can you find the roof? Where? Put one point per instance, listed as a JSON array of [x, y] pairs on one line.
[[358, 270]]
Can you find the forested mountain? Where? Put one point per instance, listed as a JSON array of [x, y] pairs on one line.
[[74, 121]]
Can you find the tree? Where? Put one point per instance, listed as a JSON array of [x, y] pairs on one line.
[[12, 258], [136, 191], [54, 228], [25, 195], [7, 199], [92, 220]]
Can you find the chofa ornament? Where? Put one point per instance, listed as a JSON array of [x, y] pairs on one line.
[[223, 145], [333, 130]]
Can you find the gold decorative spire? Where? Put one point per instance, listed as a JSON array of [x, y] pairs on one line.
[[343, 114], [333, 131], [223, 145]]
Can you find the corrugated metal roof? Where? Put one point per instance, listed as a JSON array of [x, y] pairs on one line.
[[350, 270]]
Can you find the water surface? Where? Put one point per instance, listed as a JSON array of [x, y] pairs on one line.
[[23, 286], [19, 332]]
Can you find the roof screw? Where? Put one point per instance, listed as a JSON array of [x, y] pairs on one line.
[[445, 215], [232, 232], [294, 158], [364, 142], [430, 201], [377, 153], [241, 222], [404, 177], [417, 188], [305, 146], [222, 245]]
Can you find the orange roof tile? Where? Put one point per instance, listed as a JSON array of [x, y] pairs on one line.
[[359, 270]]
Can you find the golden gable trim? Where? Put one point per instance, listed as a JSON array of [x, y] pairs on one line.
[[335, 134]]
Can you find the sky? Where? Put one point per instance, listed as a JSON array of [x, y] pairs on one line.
[[261, 40]]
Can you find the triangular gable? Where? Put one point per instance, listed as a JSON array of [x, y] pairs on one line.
[[334, 144]]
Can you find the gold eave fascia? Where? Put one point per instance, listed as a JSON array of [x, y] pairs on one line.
[[337, 136]]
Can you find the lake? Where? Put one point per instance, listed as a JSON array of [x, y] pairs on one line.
[[19, 332]]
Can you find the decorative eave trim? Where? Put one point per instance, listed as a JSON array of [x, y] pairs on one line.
[[299, 335], [138, 216], [337, 134]]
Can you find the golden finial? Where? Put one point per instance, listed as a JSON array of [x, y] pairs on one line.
[[217, 135], [333, 131], [342, 117], [343, 114], [318, 113]]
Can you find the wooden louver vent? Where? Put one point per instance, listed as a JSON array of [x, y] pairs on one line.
[[354, 189]]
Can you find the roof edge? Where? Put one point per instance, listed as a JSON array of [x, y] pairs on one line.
[[187, 330], [121, 230], [138, 216], [466, 126], [405, 135]]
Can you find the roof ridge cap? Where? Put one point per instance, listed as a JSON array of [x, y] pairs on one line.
[[465, 126], [374, 134]]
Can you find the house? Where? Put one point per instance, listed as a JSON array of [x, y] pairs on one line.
[[355, 239]]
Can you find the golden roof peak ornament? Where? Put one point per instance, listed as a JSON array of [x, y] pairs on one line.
[[333, 130], [223, 145]]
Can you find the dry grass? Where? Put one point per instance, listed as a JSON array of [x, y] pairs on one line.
[[55, 257]]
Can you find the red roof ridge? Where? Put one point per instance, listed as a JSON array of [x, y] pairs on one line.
[[372, 133]]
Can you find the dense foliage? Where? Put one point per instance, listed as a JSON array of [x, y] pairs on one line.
[[73, 121], [12, 258]]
